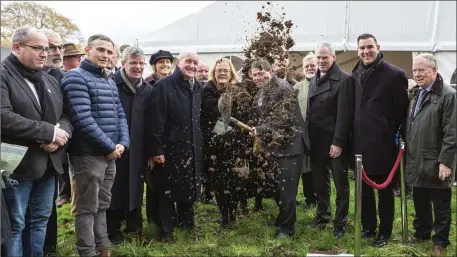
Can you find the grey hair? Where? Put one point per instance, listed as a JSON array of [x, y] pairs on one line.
[[20, 34], [186, 53], [49, 33], [329, 46], [430, 58], [132, 51], [310, 55]]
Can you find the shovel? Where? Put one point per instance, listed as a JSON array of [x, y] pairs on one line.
[[225, 109]]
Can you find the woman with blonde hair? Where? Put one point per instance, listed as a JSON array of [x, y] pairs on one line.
[[222, 150]]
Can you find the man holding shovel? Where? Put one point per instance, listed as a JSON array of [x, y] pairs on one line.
[[282, 130]]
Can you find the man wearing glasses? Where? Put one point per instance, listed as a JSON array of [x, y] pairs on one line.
[[53, 67], [32, 116], [127, 190]]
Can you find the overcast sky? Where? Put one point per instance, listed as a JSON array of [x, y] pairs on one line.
[[124, 21]]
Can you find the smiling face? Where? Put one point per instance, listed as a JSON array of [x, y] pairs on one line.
[[99, 53], [222, 73], [31, 52], [261, 77], [367, 50], [424, 74], [134, 67], [324, 58], [309, 67], [188, 65], [163, 67]]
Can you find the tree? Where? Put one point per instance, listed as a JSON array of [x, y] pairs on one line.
[[18, 14]]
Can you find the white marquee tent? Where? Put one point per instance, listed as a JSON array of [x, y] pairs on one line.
[[401, 27]]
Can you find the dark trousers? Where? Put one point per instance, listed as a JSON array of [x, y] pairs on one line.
[[50, 241], [423, 221], [64, 185], [386, 206], [152, 206], [289, 169], [308, 188], [133, 220], [168, 215], [321, 180], [227, 202]]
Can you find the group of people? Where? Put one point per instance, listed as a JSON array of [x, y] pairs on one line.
[[190, 132]]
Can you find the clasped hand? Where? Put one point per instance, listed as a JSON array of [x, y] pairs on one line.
[[116, 154]]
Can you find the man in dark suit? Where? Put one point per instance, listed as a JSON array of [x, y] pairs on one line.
[[381, 103], [32, 116], [276, 94], [330, 113], [53, 67], [175, 145]]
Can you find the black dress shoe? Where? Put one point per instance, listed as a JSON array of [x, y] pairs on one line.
[[309, 206], [339, 231], [271, 223], [368, 233], [282, 235], [381, 241], [319, 223]]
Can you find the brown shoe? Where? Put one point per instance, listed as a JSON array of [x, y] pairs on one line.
[[438, 251]]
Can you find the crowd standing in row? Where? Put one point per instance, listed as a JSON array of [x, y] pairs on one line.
[[171, 132]]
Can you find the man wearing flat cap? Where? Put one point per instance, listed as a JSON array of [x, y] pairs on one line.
[[71, 56], [161, 62]]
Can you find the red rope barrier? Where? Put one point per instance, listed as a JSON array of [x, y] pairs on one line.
[[389, 178]]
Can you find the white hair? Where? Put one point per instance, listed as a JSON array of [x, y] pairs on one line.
[[186, 53], [429, 58], [49, 33], [310, 55], [203, 63], [328, 45]]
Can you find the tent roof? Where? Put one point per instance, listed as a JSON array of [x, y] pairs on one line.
[[398, 25]]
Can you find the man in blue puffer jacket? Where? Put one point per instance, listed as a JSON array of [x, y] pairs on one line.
[[100, 137]]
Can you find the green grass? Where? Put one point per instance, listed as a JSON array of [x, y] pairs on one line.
[[251, 237]]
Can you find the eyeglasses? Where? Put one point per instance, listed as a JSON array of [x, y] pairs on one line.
[[133, 63], [53, 48], [38, 49]]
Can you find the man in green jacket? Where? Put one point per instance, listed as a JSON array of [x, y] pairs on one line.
[[431, 152]]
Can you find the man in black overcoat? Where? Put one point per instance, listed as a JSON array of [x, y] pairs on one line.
[[330, 115], [127, 190], [175, 144], [381, 103]]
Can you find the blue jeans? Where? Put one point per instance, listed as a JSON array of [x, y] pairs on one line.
[[29, 207]]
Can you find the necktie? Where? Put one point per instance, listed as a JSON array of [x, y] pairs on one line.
[[419, 100]]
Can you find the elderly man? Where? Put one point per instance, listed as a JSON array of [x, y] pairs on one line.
[[53, 67], [309, 70], [127, 190], [381, 102], [101, 137], [71, 57], [202, 73], [161, 63], [329, 114], [175, 144], [289, 155], [31, 116], [431, 152]]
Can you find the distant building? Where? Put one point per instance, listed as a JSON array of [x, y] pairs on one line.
[[221, 29]]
